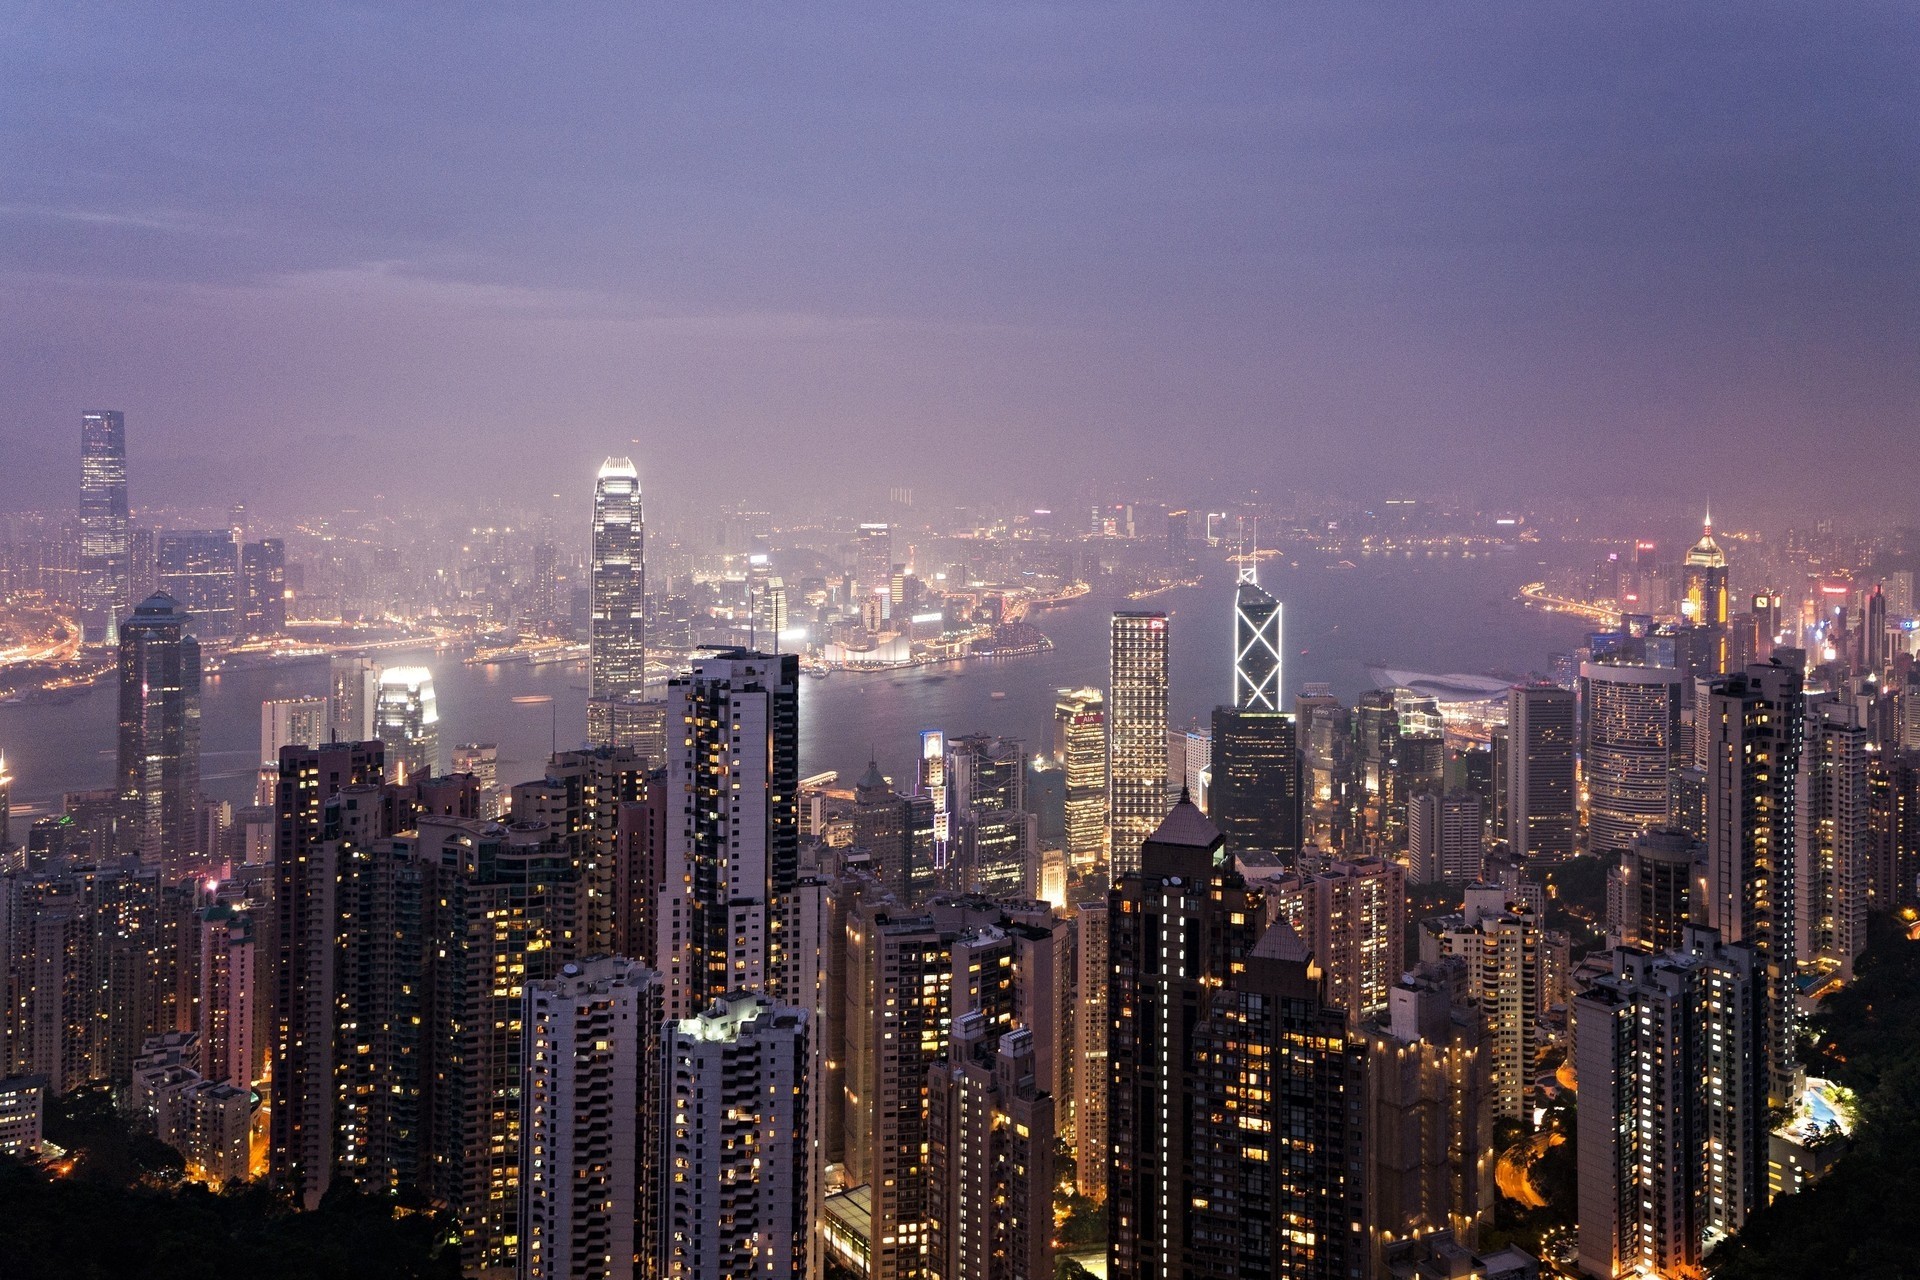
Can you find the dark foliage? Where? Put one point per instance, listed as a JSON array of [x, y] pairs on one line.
[[1860, 1221]]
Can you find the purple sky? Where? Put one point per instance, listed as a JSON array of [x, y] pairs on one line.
[[324, 248]]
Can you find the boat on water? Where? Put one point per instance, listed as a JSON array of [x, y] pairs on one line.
[[998, 695]]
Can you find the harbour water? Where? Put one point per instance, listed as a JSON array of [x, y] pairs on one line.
[[1425, 613]]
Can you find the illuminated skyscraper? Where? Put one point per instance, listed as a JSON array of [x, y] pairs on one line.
[[733, 856], [1754, 724], [1256, 645], [287, 722], [407, 718], [1541, 816], [1705, 604], [1831, 882], [589, 1138], [263, 588], [104, 517], [1631, 750], [1080, 745], [617, 652], [160, 733], [354, 689], [873, 558], [737, 1153], [1137, 734], [201, 569], [1254, 797]]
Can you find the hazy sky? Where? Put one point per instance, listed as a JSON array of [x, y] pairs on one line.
[[319, 248]]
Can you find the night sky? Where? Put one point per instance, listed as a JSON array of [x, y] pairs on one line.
[[318, 250]]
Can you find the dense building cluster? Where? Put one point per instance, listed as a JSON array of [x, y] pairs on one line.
[[674, 1009]]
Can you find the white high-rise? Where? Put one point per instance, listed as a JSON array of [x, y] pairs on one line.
[[736, 1151], [592, 1034], [287, 722], [406, 717], [617, 587], [1137, 734]]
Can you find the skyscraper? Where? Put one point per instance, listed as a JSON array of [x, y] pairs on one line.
[[737, 1155], [1541, 817], [732, 854], [1080, 745], [1631, 750], [263, 588], [1501, 942], [987, 780], [617, 580], [287, 722], [1178, 924], [1255, 794], [201, 569], [873, 558], [1651, 893], [160, 734], [990, 1158], [1137, 734], [406, 717], [354, 690], [1754, 724], [1256, 645], [589, 1136], [1704, 606], [1090, 1068], [1672, 1138], [104, 518], [1831, 883]]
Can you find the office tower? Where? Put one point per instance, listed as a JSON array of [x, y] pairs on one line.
[[1630, 749], [288, 722], [873, 558], [1429, 1116], [306, 874], [1256, 645], [1832, 843], [990, 1128], [1505, 951], [617, 579], [544, 602], [589, 1134], [1704, 606], [1273, 1177], [232, 1002], [1254, 795], [1754, 738], [263, 588], [105, 571], [1090, 1066], [733, 853], [881, 829], [1876, 640], [1178, 924], [987, 786], [353, 686], [1177, 538], [1136, 734], [482, 761], [6, 816], [1080, 745], [1328, 784], [737, 1155], [1651, 893], [1540, 794], [160, 734], [1670, 1053], [200, 568], [407, 718], [1446, 837]]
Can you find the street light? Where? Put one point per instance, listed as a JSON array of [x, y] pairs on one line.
[[553, 718]]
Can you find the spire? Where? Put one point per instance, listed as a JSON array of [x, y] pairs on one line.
[[1706, 525]]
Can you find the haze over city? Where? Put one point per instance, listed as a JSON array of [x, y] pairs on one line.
[[990, 642], [1504, 250]]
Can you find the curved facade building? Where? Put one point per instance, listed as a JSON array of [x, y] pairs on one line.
[[1629, 748]]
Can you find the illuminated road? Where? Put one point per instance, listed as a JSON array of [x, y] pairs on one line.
[[32, 634], [1537, 593], [1510, 1171]]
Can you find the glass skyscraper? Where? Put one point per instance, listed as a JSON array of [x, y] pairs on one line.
[[160, 734], [617, 654], [1137, 734], [104, 516]]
